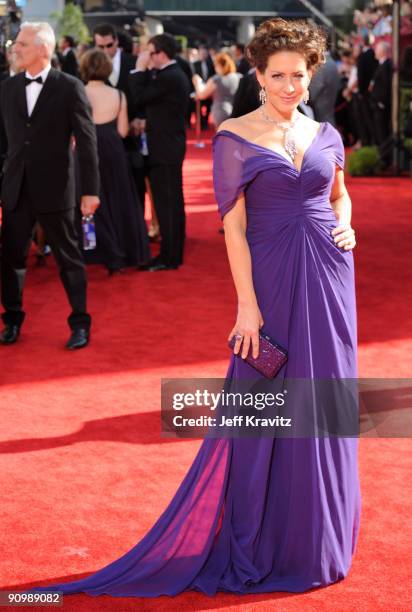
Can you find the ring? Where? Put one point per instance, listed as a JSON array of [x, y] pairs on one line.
[[238, 336]]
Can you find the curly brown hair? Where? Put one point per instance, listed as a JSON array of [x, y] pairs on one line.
[[274, 35]]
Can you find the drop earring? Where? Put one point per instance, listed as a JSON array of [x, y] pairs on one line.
[[306, 97], [263, 96]]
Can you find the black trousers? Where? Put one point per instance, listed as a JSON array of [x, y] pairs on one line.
[[383, 131], [205, 106], [364, 122], [167, 188], [16, 237]]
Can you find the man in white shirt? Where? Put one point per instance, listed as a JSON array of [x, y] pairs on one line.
[[41, 110], [105, 38]]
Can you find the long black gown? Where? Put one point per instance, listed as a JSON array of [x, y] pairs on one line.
[[121, 232]]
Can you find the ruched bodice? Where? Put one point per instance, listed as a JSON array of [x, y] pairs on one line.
[[255, 515]]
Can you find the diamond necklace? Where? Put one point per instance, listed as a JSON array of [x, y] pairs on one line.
[[289, 143]]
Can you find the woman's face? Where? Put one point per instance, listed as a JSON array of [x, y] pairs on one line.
[[286, 80]]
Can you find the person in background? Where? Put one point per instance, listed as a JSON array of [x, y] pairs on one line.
[[41, 110], [380, 89], [351, 94], [165, 95], [105, 38], [183, 63], [81, 50], [9, 69], [246, 97], [187, 68], [366, 67], [67, 56], [242, 64], [323, 91], [383, 26], [343, 112], [121, 233], [192, 54], [405, 86], [136, 46], [4, 65], [204, 67], [125, 41], [221, 87]]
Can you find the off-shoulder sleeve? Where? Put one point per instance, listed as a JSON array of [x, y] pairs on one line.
[[339, 151], [230, 175]]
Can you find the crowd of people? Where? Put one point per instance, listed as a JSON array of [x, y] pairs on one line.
[[142, 95]]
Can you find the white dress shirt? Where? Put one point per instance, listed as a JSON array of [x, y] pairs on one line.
[[115, 74], [204, 68], [33, 89]]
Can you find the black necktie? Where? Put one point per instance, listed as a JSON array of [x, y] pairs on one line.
[[27, 81]]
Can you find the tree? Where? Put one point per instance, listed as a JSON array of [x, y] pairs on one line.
[[70, 22]]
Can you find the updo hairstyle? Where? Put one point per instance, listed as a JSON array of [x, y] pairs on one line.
[[274, 35]]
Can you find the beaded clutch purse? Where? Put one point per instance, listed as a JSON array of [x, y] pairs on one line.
[[270, 359]]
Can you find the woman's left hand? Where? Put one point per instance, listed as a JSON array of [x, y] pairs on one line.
[[344, 237]]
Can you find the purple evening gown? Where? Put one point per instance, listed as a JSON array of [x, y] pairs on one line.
[[257, 515]]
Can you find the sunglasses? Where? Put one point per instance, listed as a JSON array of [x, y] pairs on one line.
[[108, 46]]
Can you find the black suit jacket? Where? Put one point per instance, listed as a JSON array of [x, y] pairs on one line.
[[187, 69], [246, 97], [382, 85], [165, 96], [367, 64], [69, 63], [39, 147], [197, 66], [243, 66], [127, 63]]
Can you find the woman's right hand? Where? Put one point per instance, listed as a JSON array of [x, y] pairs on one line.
[[249, 321]]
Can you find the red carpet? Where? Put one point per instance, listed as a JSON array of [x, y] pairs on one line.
[[84, 470]]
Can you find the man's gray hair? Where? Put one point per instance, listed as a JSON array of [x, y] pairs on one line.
[[384, 45], [44, 34]]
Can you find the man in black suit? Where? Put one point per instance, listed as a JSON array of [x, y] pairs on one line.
[[105, 38], [381, 99], [366, 66], [164, 93], [67, 56], [40, 110], [242, 64], [204, 67], [246, 97]]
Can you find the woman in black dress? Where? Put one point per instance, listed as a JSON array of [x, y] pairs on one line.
[[121, 232]]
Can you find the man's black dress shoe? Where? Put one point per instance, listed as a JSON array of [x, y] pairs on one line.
[[40, 261], [9, 334], [115, 271], [78, 339], [152, 262], [158, 267]]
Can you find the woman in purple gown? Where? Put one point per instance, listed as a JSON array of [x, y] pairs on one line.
[[258, 515]]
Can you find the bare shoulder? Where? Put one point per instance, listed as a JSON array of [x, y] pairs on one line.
[[241, 126], [231, 125]]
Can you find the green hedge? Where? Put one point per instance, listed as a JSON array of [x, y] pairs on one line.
[[363, 162]]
